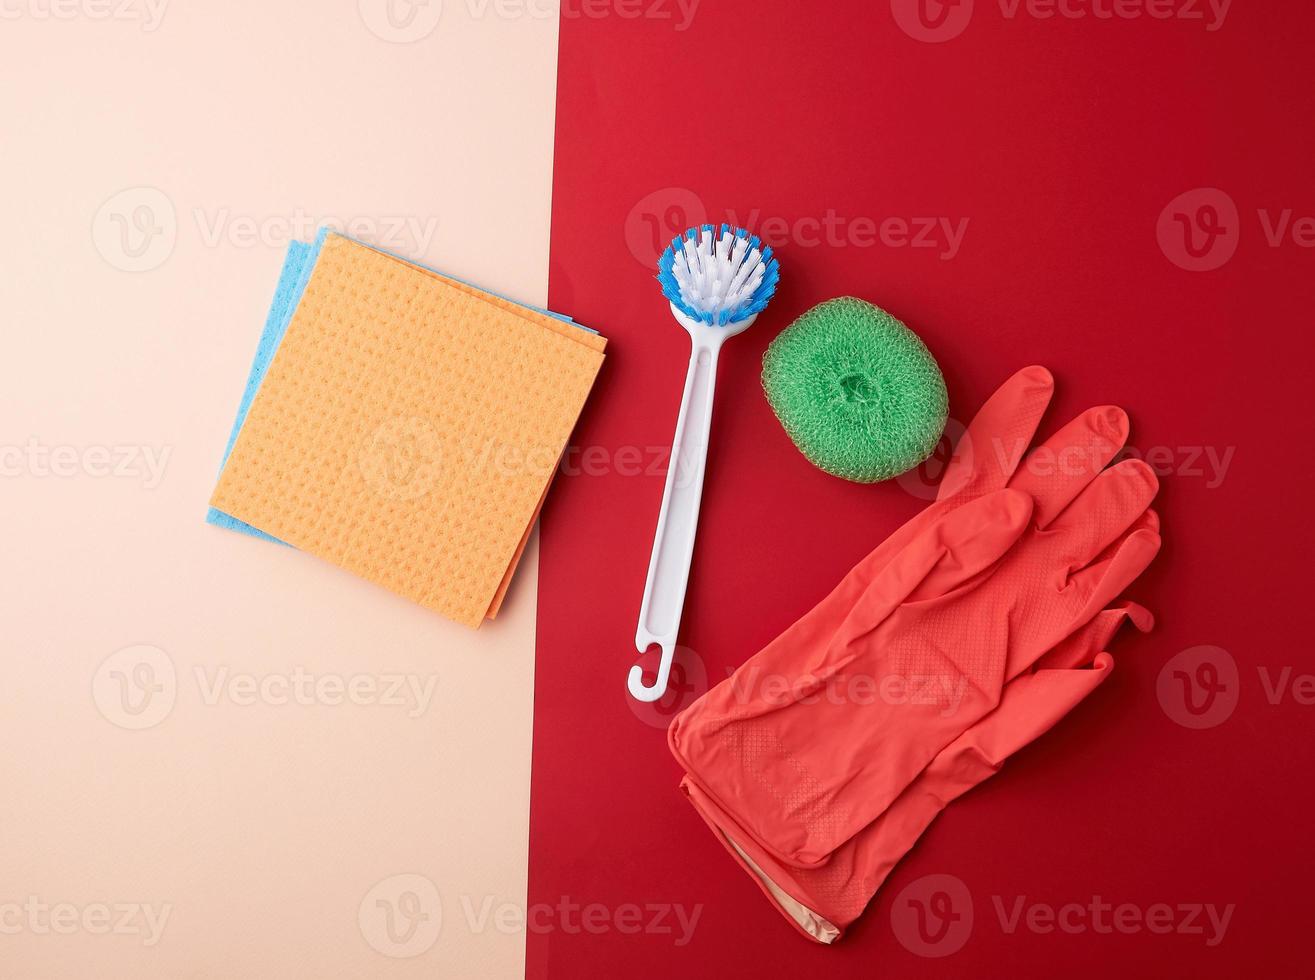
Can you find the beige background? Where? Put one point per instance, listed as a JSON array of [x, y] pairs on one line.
[[278, 836]]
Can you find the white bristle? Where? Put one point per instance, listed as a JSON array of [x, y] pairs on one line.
[[718, 275]]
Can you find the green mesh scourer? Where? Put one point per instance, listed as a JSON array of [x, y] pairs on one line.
[[857, 391]]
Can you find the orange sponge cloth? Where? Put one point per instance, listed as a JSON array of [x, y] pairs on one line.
[[408, 428]]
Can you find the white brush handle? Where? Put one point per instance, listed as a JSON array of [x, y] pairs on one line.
[[673, 547]]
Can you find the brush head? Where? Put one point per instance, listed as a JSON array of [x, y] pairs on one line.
[[718, 277], [857, 391]]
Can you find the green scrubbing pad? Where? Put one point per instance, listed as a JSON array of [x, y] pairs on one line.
[[857, 391]]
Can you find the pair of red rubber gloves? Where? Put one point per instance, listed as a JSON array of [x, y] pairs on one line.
[[969, 633]]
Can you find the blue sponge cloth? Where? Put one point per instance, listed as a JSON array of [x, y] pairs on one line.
[[291, 283]]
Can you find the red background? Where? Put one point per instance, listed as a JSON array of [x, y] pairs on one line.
[[1062, 141]]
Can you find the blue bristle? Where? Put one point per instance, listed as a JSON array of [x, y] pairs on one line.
[[754, 305]]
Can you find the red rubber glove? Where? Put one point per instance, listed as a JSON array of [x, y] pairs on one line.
[[925, 604]]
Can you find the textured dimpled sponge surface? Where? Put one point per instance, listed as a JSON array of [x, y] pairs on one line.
[[408, 428], [856, 390]]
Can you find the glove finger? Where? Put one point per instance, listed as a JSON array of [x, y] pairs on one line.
[[1081, 598], [996, 439], [1081, 648], [1104, 511], [1149, 521], [1032, 705], [1097, 585], [1064, 465]]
